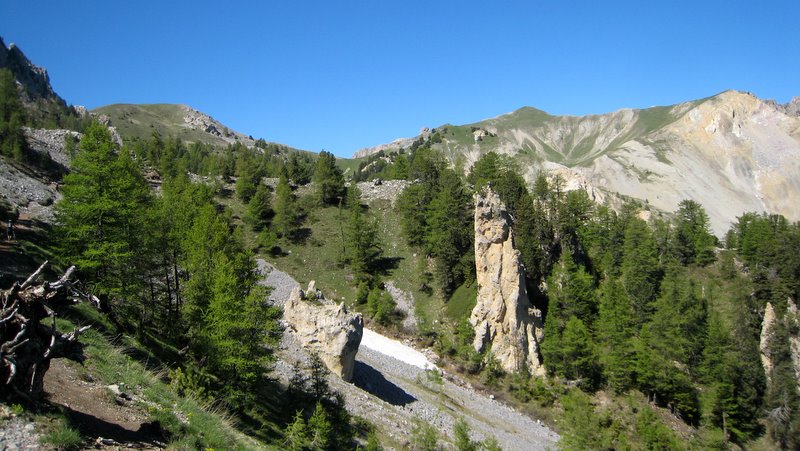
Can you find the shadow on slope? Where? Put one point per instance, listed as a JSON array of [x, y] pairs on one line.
[[372, 381]]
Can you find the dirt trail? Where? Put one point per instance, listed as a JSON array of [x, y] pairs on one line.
[[106, 420]]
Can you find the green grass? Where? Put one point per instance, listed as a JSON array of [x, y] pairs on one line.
[[141, 121], [349, 165], [126, 362], [462, 301], [60, 435]]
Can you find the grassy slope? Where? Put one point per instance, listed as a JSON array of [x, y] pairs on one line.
[[576, 147], [141, 121], [319, 258], [119, 359]]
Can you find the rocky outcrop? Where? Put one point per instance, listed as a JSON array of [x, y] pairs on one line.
[[766, 326], [327, 329], [51, 143], [503, 317], [791, 319], [386, 190], [33, 79]]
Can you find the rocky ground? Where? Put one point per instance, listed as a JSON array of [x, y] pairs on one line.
[[393, 394], [17, 433]]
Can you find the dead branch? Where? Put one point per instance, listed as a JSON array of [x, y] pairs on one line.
[[26, 344]]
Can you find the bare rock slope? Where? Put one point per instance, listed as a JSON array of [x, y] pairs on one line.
[[731, 152], [503, 317]]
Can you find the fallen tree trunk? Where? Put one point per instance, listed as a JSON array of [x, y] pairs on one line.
[[28, 335]]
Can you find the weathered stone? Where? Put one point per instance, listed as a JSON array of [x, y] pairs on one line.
[[503, 317], [766, 328], [327, 329]]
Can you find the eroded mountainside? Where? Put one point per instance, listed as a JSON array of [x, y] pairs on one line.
[[732, 152]]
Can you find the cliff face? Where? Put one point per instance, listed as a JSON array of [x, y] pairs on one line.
[[503, 317], [327, 329], [33, 79]]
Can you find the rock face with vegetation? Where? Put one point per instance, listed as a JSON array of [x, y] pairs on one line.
[[791, 323], [731, 152], [327, 329], [503, 317]]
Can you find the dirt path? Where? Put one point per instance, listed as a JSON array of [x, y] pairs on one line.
[[107, 419]]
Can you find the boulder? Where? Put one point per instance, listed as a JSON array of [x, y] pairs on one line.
[[327, 329], [503, 317]]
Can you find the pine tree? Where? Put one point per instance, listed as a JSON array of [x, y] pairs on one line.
[[450, 233], [582, 428], [578, 350], [258, 209], [615, 331], [239, 331], [12, 118], [693, 241], [104, 216], [463, 442], [284, 220], [296, 434], [640, 269], [363, 249], [320, 428], [328, 178]]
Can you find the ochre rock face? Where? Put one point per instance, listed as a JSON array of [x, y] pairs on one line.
[[503, 317], [791, 320], [327, 329]]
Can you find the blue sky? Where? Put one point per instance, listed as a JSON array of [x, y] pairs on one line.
[[344, 75]]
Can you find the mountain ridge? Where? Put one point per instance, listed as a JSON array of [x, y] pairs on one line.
[[731, 152]]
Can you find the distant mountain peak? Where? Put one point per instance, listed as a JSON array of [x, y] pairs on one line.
[[34, 79]]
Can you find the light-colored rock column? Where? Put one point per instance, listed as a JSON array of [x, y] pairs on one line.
[[503, 317]]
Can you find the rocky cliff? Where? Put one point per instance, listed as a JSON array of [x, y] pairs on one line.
[[33, 79], [503, 317], [327, 329]]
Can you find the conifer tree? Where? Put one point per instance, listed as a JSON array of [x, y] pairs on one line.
[[580, 360], [640, 269], [104, 216], [693, 241], [296, 434], [239, 331], [12, 118], [284, 219], [328, 178], [615, 331], [258, 209], [362, 246], [450, 232], [319, 426]]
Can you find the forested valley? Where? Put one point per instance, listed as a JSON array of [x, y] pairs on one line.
[[652, 326]]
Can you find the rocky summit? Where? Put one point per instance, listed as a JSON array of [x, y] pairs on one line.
[[503, 317]]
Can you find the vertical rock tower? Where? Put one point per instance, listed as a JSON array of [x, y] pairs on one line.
[[503, 317]]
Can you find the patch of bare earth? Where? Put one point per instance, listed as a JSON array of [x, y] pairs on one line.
[[107, 420]]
